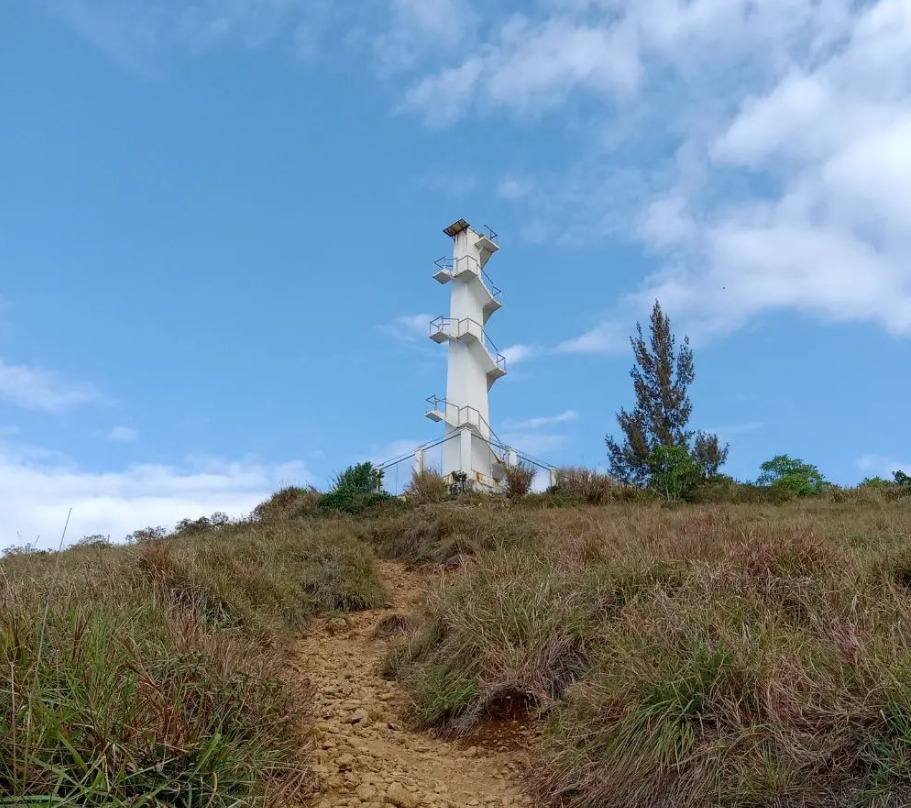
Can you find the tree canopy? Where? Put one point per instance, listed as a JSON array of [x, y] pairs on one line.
[[661, 376]]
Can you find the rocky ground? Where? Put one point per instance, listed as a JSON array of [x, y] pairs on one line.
[[366, 757]]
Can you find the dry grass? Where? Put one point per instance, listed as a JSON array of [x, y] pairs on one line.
[[156, 676], [426, 486], [692, 656], [518, 481]]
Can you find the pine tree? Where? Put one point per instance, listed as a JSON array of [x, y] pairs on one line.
[[661, 378]]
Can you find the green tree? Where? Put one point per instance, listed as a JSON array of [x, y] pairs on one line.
[[792, 475], [876, 482], [674, 472], [661, 377]]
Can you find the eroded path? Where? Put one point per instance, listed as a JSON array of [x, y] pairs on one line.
[[365, 757]]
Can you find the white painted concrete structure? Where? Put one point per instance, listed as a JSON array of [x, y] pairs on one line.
[[474, 362]]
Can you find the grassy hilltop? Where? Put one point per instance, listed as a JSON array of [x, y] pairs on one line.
[[732, 653]]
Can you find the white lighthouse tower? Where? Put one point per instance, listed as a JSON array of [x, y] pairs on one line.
[[474, 362]]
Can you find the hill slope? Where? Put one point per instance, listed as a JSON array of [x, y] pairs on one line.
[[691, 655]]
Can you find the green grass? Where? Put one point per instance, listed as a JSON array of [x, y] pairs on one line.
[[729, 655], [155, 674]]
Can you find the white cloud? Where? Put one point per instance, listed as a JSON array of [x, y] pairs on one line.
[[40, 488], [616, 48], [542, 421], [532, 66], [514, 354], [122, 434], [409, 327], [834, 141], [608, 337], [788, 127], [43, 390], [874, 465], [418, 26]]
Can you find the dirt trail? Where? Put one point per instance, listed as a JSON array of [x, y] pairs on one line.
[[365, 757]]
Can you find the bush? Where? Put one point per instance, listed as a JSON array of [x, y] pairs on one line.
[[288, 502], [674, 473], [792, 475], [581, 485], [519, 479], [427, 486], [876, 483], [187, 527], [357, 488]]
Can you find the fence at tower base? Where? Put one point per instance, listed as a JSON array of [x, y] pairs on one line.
[[398, 472]]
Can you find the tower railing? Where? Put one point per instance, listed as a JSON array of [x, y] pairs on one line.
[[492, 234], [464, 415], [456, 329], [454, 268]]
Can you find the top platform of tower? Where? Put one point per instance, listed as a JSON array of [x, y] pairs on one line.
[[456, 227], [486, 242]]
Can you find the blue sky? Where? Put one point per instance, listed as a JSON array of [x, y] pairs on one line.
[[219, 221]]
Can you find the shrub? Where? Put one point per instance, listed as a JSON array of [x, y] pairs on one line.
[[581, 485], [187, 527], [362, 478], [519, 479], [427, 486], [876, 483], [290, 501], [793, 476], [147, 534], [95, 540], [674, 473], [357, 488]]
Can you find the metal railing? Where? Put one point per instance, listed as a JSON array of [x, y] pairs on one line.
[[398, 471], [454, 268], [492, 234], [464, 415], [455, 329]]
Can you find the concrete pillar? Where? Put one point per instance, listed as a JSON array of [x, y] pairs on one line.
[[512, 459], [420, 461], [465, 453]]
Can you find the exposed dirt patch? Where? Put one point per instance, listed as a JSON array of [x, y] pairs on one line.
[[365, 756]]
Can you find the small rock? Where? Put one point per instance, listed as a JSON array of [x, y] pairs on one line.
[[400, 797], [336, 625], [358, 717]]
